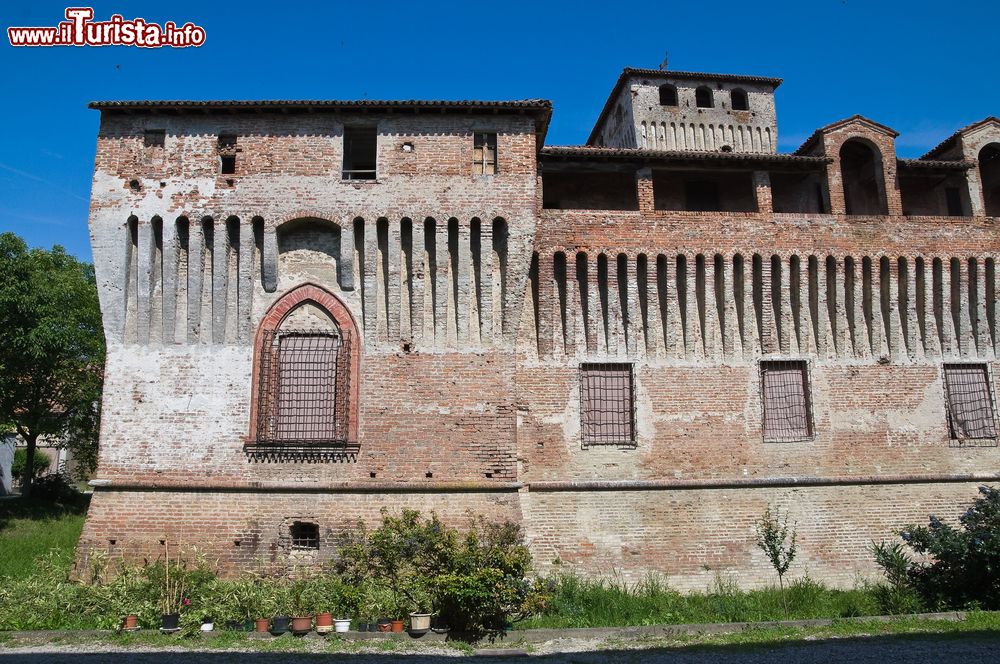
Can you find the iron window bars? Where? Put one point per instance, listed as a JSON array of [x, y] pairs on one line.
[[969, 402], [303, 387], [607, 404], [304, 536], [785, 400]]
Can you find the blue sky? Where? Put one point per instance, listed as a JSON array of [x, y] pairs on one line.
[[923, 68]]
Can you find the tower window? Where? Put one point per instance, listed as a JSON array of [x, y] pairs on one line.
[[360, 153], [484, 161], [154, 138], [703, 97], [740, 100], [227, 153], [668, 95]]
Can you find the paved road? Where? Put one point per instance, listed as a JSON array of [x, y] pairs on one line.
[[947, 649]]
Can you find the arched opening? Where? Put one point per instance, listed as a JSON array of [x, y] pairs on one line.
[[668, 95], [861, 175], [989, 175], [306, 369], [740, 100], [703, 97]]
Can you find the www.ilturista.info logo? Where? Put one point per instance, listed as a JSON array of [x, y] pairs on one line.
[[79, 29]]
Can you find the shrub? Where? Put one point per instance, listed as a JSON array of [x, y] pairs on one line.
[[486, 585], [959, 567], [20, 462], [57, 489], [476, 582]]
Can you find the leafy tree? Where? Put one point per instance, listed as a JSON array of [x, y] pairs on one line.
[[52, 355]]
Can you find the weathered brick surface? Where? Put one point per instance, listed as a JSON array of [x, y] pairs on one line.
[[474, 307]]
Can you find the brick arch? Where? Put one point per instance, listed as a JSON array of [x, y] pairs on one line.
[[332, 305], [299, 215]]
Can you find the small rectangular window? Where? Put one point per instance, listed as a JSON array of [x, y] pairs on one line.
[[484, 160], [360, 153], [154, 138], [227, 153], [786, 401], [953, 197], [607, 405], [969, 402]]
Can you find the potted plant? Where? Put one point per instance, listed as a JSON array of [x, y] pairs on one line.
[[246, 602], [130, 623], [280, 622], [420, 602], [367, 607], [301, 617], [172, 592]]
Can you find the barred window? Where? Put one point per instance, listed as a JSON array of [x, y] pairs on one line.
[[786, 401], [304, 536], [303, 391], [484, 161], [969, 402], [607, 406]]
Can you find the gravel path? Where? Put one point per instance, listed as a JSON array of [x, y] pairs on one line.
[[922, 649]]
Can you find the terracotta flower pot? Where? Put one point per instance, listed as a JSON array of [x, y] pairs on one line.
[[131, 622], [261, 625], [301, 624], [397, 625], [324, 623], [384, 625]]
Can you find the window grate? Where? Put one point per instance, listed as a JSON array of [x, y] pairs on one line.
[[303, 388], [607, 406], [787, 407], [304, 536], [969, 402]]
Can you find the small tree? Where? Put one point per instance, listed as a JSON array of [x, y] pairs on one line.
[[52, 355], [773, 539]]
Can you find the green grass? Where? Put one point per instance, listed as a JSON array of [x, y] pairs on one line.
[[578, 602], [754, 638], [30, 529]]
